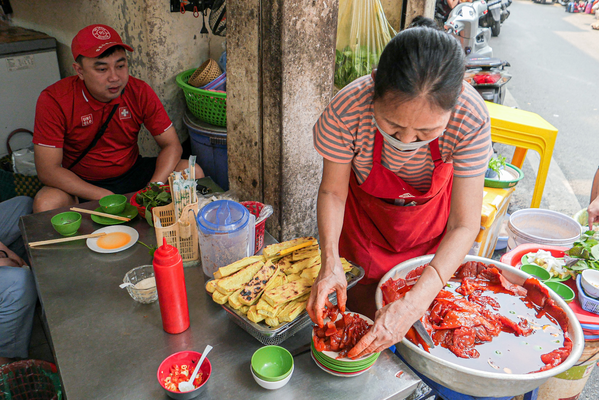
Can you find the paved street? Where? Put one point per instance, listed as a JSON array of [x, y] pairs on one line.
[[554, 59]]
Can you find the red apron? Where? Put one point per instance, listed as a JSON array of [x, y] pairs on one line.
[[378, 235]]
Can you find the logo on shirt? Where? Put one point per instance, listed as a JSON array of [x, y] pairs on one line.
[[101, 33], [124, 113], [87, 120], [405, 196]]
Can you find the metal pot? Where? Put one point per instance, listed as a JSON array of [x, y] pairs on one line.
[[470, 381]]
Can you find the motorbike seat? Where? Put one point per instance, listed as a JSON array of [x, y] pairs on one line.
[[480, 62]]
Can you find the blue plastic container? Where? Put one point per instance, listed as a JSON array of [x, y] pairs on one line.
[[209, 144]]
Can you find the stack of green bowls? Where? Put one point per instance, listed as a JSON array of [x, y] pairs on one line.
[[272, 367], [343, 367]]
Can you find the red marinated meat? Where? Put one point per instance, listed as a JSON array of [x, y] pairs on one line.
[[394, 290], [341, 335], [484, 301], [463, 343], [414, 274], [557, 313], [493, 275], [517, 328], [536, 293], [470, 269], [460, 323]]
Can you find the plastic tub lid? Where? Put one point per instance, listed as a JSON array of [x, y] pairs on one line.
[[222, 216], [197, 124]]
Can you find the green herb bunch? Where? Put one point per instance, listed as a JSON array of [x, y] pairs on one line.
[[156, 196], [497, 164], [584, 254], [350, 65]]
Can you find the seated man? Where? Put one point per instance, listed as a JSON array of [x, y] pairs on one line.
[[73, 112], [17, 288]]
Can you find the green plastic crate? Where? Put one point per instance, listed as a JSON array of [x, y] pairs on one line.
[[207, 105]]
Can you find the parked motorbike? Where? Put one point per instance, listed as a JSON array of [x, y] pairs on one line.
[[488, 76], [497, 14], [463, 23]]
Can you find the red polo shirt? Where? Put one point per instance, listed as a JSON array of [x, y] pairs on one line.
[[68, 117]]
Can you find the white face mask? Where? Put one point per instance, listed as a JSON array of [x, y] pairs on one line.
[[401, 146]]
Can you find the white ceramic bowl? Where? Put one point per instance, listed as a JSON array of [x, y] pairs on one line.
[[590, 282], [272, 385]]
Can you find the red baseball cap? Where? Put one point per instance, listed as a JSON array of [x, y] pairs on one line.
[[94, 40]]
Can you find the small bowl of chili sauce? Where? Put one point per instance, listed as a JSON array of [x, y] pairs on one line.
[[179, 367]]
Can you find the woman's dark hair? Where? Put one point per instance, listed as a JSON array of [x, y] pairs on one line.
[[421, 61]]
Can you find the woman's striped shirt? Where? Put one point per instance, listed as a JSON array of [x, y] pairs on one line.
[[345, 133]]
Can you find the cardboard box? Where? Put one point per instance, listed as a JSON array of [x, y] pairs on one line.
[[495, 204]]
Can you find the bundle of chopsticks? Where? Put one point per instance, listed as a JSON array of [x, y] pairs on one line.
[[183, 187]]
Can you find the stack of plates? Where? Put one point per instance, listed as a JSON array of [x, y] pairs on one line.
[[343, 367]]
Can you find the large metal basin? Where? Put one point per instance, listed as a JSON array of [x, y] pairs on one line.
[[470, 381]]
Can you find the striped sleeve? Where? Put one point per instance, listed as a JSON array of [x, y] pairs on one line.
[[336, 131], [474, 148]]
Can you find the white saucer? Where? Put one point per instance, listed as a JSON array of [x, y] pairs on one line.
[[92, 242]]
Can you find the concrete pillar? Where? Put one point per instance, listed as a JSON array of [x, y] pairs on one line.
[[419, 7], [280, 78]]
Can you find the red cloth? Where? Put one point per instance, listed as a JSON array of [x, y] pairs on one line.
[[68, 117], [377, 234]]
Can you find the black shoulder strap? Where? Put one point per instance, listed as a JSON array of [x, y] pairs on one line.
[[98, 136]]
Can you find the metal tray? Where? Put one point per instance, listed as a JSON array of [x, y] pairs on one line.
[[275, 336]]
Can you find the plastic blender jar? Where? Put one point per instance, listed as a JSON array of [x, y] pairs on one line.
[[226, 232]]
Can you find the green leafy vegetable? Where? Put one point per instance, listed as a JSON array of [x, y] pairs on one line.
[[581, 255], [497, 164], [152, 249], [156, 196], [350, 65]]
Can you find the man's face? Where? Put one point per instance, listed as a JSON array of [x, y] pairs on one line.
[[105, 78]]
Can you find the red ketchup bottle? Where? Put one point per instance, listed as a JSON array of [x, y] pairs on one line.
[[170, 283]]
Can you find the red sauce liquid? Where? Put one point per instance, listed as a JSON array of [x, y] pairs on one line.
[[508, 353]]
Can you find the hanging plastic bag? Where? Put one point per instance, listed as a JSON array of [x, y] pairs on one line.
[[362, 33]]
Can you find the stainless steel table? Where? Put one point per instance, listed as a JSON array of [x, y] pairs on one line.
[[108, 346]]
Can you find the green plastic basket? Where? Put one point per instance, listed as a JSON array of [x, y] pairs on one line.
[[207, 105], [30, 380]]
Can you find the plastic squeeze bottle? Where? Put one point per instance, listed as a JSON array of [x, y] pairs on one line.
[[170, 284]]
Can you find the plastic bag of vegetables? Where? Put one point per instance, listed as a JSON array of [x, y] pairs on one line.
[[362, 33]]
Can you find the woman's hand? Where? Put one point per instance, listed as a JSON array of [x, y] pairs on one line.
[[593, 211], [329, 280], [390, 326]]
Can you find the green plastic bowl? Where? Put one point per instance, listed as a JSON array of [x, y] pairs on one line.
[[562, 290], [66, 223], [536, 271], [113, 204], [272, 363], [515, 176]]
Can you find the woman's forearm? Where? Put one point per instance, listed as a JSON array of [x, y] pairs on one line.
[[330, 210]]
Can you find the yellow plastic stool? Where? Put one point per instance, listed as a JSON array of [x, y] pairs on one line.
[[525, 130]]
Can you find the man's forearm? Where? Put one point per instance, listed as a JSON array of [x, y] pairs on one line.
[[69, 182], [166, 162]]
